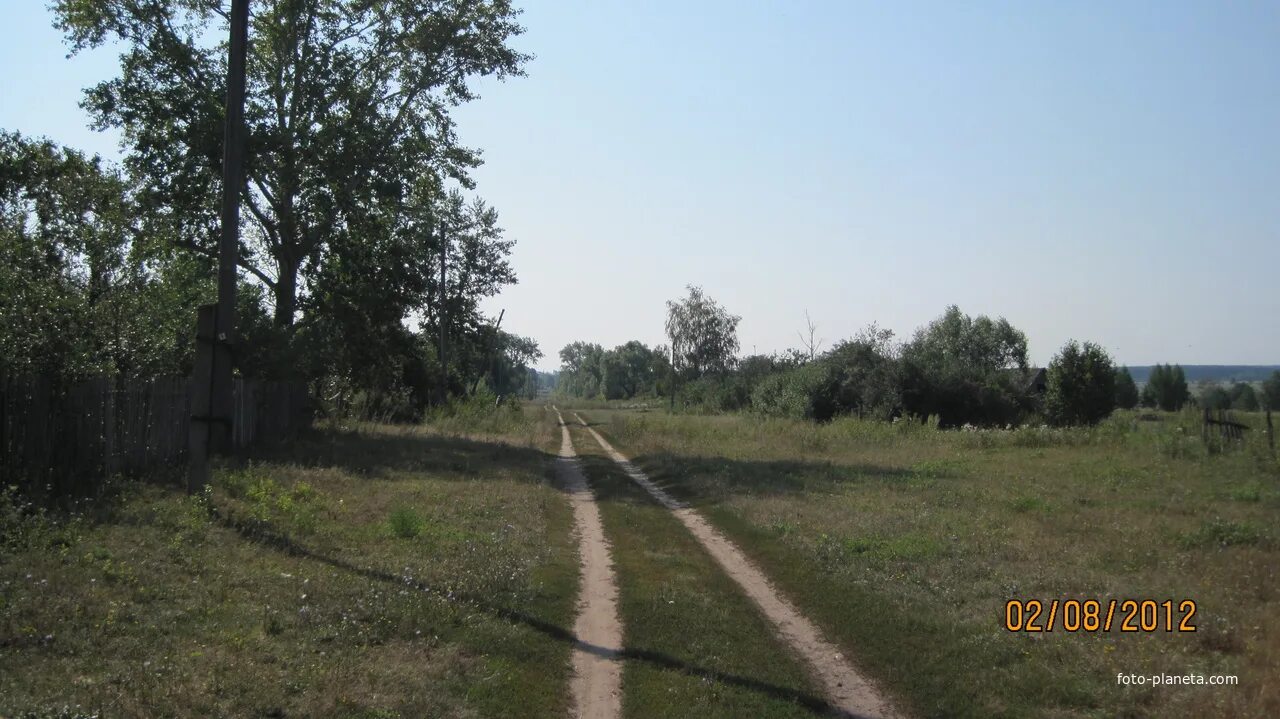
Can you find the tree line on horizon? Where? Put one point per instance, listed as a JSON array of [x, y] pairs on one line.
[[958, 369], [356, 186]]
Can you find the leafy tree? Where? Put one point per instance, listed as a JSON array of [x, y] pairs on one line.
[[1081, 385], [512, 355], [1213, 396], [624, 372], [1167, 388], [581, 371], [867, 374], [477, 267], [81, 291], [965, 370], [348, 102], [704, 336], [627, 371], [1244, 397], [1271, 391], [1126, 389], [1157, 378]]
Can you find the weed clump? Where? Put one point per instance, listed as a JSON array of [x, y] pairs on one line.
[[405, 523]]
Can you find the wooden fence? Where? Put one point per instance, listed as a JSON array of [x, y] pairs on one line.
[[1224, 426], [69, 439]]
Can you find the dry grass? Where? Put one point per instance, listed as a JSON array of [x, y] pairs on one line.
[[290, 591], [904, 543]]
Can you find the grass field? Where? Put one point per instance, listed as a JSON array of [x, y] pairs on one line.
[[904, 543], [362, 572], [378, 571]]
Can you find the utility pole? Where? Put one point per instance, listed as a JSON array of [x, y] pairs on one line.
[[444, 362], [672, 389], [212, 404], [491, 347]]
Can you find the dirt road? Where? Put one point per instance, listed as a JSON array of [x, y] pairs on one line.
[[846, 688], [597, 669]]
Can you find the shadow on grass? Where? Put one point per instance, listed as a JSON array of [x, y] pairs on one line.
[[706, 481], [264, 534], [383, 456]]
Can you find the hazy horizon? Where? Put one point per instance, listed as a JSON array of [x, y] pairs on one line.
[[1087, 171]]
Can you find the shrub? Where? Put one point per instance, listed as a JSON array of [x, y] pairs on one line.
[[1214, 397], [405, 522], [1081, 385], [867, 376], [1244, 398], [806, 392]]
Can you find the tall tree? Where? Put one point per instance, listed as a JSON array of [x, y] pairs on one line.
[[1167, 388], [581, 369], [704, 335], [348, 101], [1126, 389]]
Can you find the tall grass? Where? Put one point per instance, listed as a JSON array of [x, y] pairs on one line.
[[1174, 435]]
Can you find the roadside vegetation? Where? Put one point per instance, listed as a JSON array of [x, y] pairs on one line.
[[364, 570], [366, 253], [956, 371], [904, 542]]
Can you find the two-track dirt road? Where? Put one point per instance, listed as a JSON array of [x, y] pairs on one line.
[[597, 670]]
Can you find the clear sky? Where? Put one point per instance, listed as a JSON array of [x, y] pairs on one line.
[[1100, 171]]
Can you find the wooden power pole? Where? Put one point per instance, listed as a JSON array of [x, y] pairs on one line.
[[444, 313], [212, 403]]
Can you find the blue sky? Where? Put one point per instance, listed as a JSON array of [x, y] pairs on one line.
[[1099, 171]]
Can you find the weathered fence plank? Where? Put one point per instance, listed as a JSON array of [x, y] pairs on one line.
[[63, 441]]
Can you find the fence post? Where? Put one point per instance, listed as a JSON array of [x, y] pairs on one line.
[[107, 389], [1271, 434], [201, 401]]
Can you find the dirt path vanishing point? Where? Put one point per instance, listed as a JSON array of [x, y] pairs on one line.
[[846, 688], [597, 670]]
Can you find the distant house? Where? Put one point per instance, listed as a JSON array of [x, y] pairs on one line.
[[1034, 381], [1037, 380]]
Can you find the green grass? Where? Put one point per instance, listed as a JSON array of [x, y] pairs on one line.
[[695, 645], [903, 543], [295, 588], [405, 523]]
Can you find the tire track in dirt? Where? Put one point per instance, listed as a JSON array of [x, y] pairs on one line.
[[596, 684], [847, 689]]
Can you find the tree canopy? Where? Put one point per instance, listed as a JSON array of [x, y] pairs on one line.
[[1166, 388], [348, 129], [80, 293], [704, 335], [965, 370], [1126, 389], [1081, 385]]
